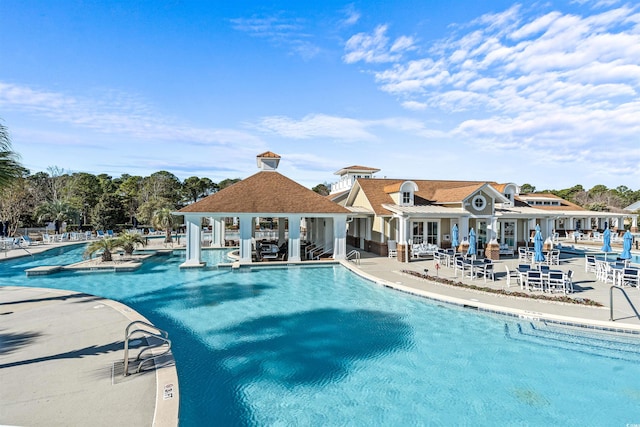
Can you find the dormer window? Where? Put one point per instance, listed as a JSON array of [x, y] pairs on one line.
[[406, 198], [407, 190]]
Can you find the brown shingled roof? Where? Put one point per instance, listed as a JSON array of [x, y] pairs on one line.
[[269, 154], [457, 194], [565, 205], [265, 192], [357, 168], [433, 191]]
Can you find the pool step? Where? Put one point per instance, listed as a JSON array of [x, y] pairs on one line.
[[43, 270], [587, 341]]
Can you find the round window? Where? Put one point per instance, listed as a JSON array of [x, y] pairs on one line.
[[479, 203]]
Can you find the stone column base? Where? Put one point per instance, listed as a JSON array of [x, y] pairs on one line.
[[492, 252]]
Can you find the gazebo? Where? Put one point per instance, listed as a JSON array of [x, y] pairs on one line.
[[266, 194]]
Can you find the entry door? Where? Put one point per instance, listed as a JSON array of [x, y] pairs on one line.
[[508, 233], [481, 233]]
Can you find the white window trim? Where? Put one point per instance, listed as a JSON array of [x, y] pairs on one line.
[[482, 199]]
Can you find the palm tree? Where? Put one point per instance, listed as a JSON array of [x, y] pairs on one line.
[[106, 245], [163, 219], [57, 211], [129, 241], [10, 167]]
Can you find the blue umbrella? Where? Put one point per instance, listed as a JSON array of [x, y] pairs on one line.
[[606, 239], [455, 238], [537, 245], [472, 243], [627, 239]]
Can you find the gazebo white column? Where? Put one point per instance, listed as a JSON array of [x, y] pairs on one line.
[[294, 237], [246, 232], [193, 250], [339, 237], [327, 232], [217, 232]]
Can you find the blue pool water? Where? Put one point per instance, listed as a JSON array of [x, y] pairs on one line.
[[320, 346]]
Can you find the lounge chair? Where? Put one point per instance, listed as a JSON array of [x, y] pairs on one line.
[[323, 253], [100, 234], [27, 241]]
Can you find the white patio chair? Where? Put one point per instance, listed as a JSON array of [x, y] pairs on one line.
[[392, 246], [631, 277], [556, 282]]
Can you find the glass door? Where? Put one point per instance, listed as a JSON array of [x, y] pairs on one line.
[[508, 233]]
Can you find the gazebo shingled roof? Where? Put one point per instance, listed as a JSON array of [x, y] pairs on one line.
[[265, 192]]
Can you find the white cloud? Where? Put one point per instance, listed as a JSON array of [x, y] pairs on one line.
[[561, 85], [352, 16], [113, 113], [375, 48], [317, 126], [279, 30], [343, 128]]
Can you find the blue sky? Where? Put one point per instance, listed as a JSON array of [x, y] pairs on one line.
[[542, 93]]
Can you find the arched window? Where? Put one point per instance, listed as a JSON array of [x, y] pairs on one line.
[[407, 190]]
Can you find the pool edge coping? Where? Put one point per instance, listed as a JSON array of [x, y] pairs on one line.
[[604, 326]]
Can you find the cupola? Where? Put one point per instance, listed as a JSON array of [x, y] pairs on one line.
[[268, 161]]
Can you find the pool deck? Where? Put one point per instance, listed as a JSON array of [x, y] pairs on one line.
[[61, 357], [59, 349]]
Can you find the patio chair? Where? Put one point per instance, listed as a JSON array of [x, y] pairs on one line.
[[554, 257], [392, 246], [569, 281], [486, 270], [590, 263], [631, 277], [511, 274], [534, 281], [556, 282], [100, 234]]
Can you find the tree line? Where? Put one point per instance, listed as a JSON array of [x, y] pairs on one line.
[[100, 202], [598, 198]]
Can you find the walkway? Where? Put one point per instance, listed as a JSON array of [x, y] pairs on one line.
[[389, 272], [60, 357]]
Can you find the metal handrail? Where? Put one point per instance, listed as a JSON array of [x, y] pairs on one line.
[[154, 357], [354, 254], [160, 334], [611, 302]]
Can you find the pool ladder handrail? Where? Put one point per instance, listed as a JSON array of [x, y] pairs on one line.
[[144, 327], [627, 298], [354, 254]]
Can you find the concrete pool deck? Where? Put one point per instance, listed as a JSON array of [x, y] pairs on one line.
[[61, 357], [59, 348]]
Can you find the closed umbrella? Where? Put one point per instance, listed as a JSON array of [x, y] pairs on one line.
[[472, 243], [627, 240], [606, 240], [455, 237], [537, 245]]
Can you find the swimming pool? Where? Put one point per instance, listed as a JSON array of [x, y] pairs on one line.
[[320, 346]]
